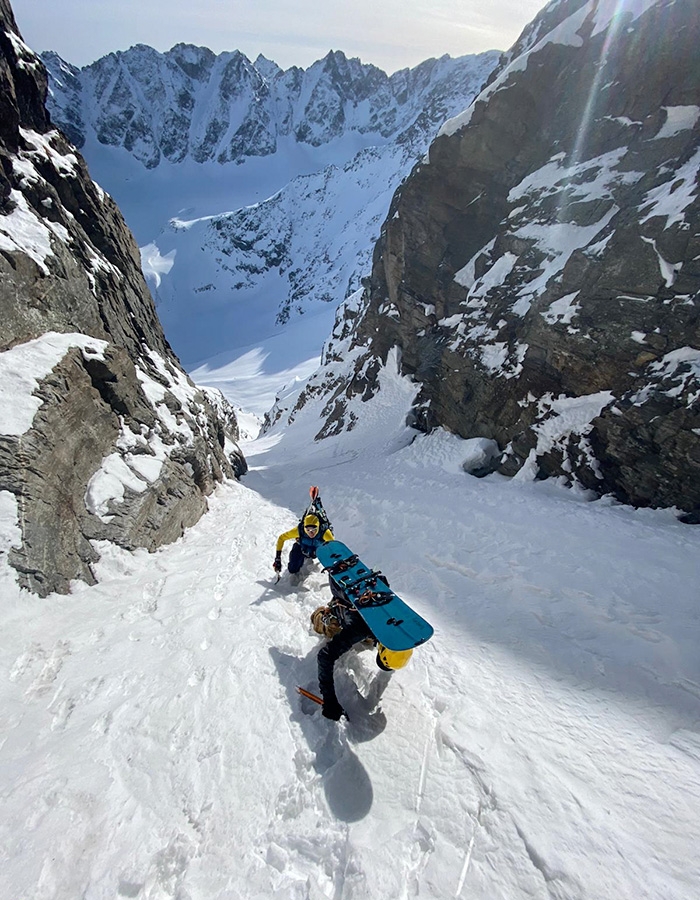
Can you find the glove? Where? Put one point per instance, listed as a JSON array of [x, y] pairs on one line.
[[277, 564], [332, 709]]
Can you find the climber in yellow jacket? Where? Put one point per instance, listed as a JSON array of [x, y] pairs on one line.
[[307, 539]]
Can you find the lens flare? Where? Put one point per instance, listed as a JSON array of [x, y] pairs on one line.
[[617, 20]]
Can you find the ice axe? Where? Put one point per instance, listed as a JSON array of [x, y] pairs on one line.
[[311, 696]]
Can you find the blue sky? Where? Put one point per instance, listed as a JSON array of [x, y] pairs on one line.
[[392, 34]]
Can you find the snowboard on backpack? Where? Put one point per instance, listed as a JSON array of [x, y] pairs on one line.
[[393, 623]]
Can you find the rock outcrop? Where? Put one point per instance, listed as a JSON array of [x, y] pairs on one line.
[[102, 434], [540, 270]]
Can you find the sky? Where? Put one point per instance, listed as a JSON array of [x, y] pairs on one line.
[[393, 34]]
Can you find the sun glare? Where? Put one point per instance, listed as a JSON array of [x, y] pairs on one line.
[[603, 75], [602, 70]]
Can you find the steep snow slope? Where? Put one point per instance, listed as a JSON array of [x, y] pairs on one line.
[[543, 743]]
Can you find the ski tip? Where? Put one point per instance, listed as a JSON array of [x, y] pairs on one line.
[[313, 492]]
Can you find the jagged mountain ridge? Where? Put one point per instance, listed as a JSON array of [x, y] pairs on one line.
[[338, 138], [189, 102], [102, 435], [539, 273]]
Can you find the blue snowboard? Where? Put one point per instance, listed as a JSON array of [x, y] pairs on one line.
[[391, 621]]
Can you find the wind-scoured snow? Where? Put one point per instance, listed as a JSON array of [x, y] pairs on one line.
[[623, 12], [562, 310], [23, 231], [683, 367], [671, 204], [544, 742], [678, 118]]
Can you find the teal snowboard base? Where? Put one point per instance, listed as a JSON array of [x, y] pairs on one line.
[[393, 623]]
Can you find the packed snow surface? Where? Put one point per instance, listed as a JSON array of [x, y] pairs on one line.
[[545, 743]]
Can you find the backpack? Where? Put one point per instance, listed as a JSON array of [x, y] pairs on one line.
[[315, 508]]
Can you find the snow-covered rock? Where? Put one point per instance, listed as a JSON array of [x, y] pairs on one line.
[[102, 434], [539, 272]]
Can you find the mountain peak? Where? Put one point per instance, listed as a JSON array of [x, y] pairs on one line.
[[178, 105]]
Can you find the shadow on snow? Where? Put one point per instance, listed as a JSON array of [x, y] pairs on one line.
[[346, 783]]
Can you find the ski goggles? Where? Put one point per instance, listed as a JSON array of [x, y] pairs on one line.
[[311, 529]]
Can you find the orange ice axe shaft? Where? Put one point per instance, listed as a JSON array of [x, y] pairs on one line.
[[311, 696]]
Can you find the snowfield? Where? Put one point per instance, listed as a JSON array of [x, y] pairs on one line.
[[544, 744]]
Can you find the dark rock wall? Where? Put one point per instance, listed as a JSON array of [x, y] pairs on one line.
[[68, 264], [95, 283], [549, 250]]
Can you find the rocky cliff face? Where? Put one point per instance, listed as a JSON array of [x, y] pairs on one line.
[[540, 270], [102, 435]]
